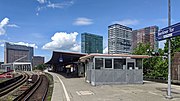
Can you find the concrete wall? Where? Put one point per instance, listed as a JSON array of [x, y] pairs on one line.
[[98, 77]]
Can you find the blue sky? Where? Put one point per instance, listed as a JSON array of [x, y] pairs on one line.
[[57, 24]]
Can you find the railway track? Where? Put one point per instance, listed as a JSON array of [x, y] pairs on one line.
[[40, 91], [10, 87], [37, 91]]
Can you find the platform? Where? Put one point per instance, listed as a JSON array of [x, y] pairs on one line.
[[76, 89]]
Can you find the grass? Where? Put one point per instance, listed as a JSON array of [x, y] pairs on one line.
[[51, 85]]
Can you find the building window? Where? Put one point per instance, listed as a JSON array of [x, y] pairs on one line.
[[118, 63], [130, 65], [98, 63], [139, 63], [108, 63]]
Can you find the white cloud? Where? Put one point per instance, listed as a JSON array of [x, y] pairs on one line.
[[63, 41], [2, 31], [76, 48], [127, 22], [59, 5], [83, 21], [55, 5], [18, 43], [44, 4], [37, 14], [13, 25], [3, 23], [26, 44], [2, 45], [105, 51], [42, 1]]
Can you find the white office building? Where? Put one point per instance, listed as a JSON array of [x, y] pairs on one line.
[[119, 39]]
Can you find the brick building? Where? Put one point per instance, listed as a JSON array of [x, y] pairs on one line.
[[145, 35]]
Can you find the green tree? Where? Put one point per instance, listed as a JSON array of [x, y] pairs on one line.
[[155, 66], [40, 67], [175, 45], [144, 49], [159, 67]]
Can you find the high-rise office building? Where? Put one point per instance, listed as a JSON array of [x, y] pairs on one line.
[[17, 53], [145, 35], [119, 39], [91, 43]]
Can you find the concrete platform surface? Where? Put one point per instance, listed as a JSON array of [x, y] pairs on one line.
[[76, 89]]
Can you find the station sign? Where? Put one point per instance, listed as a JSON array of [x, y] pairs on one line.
[[168, 32], [60, 59]]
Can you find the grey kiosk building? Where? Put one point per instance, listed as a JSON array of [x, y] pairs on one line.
[[113, 68]]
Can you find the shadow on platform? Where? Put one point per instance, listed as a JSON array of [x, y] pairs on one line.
[[69, 75]]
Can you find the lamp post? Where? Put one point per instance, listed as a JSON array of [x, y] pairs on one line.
[[169, 96], [149, 60]]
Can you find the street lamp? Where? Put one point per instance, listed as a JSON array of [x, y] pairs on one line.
[[169, 96], [149, 60]]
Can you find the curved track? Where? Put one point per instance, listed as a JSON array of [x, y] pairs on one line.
[[5, 90], [40, 90], [37, 92]]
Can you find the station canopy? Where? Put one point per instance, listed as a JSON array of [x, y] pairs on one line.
[[64, 58]]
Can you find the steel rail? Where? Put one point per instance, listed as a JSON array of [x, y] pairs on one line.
[[25, 93], [13, 86]]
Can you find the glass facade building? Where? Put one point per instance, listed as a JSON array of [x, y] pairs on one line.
[[91, 43], [119, 39]]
